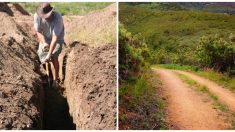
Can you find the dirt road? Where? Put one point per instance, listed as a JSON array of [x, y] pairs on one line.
[[224, 95], [185, 108]]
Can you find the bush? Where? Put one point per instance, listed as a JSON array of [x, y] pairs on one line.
[[133, 54], [216, 53]]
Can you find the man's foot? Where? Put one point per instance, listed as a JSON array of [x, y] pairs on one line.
[[55, 84]]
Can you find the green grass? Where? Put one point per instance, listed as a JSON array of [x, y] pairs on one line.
[[140, 87], [178, 67], [137, 86], [233, 125], [221, 79], [69, 8]]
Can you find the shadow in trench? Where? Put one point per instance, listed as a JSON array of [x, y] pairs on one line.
[[56, 111]]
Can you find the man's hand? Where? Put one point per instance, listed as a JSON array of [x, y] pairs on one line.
[[48, 57], [46, 47]]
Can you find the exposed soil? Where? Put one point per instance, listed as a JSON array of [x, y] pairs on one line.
[[185, 108], [90, 82], [224, 95], [21, 92], [96, 28], [27, 103]]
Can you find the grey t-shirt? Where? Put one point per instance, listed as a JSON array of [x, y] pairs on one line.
[[48, 29]]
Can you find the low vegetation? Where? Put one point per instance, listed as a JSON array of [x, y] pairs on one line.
[[69, 8], [180, 36], [140, 104], [170, 36]]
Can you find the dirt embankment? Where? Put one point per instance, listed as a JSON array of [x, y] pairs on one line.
[[90, 71], [90, 83], [21, 94], [96, 28]]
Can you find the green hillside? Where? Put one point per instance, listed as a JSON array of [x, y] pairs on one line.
[[175, 25], [173, 35]]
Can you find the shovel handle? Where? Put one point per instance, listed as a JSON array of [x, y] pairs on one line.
[[48, 74], [47, 68]]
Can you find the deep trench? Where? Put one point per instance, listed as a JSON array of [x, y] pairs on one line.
[[56, 109]]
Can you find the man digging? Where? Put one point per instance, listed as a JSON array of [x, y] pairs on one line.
[[50, 32]]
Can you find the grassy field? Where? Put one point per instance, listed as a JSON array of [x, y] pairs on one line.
[[69, 8], [220, 78]]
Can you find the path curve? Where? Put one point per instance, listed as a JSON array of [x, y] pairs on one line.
[[224, 95], [185, 108]]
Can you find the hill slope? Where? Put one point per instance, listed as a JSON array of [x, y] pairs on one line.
[[175, 31]]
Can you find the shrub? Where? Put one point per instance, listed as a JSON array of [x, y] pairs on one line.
[[133, 54], [215, 52]]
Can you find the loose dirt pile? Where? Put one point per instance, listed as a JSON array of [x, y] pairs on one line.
[[90, 82], [21, 94], [96, 28]]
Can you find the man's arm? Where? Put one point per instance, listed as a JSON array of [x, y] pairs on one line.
[[38, 30], [41, 37], [52, 47], [58, 27], [53, 44]]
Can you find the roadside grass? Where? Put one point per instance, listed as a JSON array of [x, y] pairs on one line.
[[233, 125], [220, 78], [69, 8], [216, 103], [141, 97]]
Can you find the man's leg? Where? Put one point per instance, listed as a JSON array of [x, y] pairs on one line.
[[55, 64], [55, 68]]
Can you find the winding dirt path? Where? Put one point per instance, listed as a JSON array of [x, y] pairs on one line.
[[224, 95], [185, 109]]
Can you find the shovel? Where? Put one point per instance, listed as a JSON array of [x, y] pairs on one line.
[[48, 74]]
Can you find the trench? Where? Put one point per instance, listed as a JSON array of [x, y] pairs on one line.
[[56, 114]]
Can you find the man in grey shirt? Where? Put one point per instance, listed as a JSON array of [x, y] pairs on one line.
[[50, 32]]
